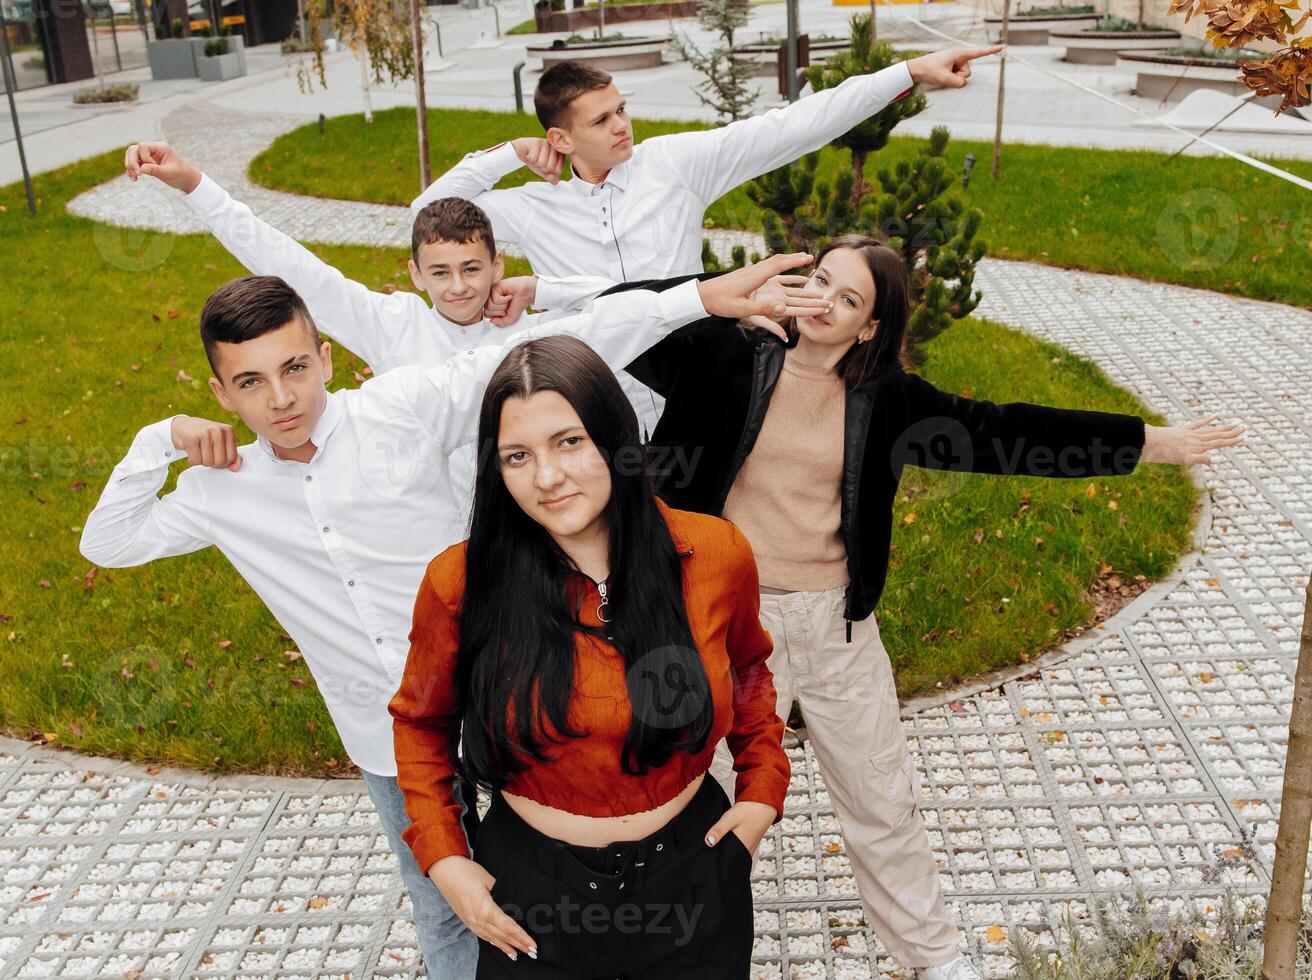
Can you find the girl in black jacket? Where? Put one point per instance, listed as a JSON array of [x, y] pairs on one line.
[[802, 445]]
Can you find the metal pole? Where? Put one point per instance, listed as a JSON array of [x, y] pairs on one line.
[[497, 14], [790, 53], [519, 88], [1002, 80], [113, 32], [601, 20], [11, 83], [421, 104]]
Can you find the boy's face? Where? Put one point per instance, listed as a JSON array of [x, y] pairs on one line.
[[275, 383], [457, 276], [598, 131]]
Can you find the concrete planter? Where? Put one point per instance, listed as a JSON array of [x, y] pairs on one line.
[[638, 52], [1092, 47], [1034, 29], [1171, 77], [766, 56], [181, 57], [220, 67], [175, 57]]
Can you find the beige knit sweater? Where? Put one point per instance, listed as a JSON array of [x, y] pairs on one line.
[[785, 497]]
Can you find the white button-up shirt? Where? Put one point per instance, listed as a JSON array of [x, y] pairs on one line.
[[336, 547], [644, 221]]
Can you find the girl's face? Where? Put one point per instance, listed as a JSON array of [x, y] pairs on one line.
[[552, 467], [843, 278]]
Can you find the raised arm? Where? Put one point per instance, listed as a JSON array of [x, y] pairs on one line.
[[131, 524], [367, 322], [712, 162], [473, 179]]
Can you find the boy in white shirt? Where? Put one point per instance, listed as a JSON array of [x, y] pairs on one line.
[[335, 510]]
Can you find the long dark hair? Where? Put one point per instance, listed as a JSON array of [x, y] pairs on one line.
[[519, 616], [886, 350]]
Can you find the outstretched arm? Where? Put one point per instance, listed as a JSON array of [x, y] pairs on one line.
[[369, 323], [949, 432], [618, 327], [473, 179], [712, 162]]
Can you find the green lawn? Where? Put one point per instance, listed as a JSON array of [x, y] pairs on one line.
[[177, 662], [1206, 222]]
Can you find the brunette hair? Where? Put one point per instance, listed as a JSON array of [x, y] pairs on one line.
[[519, 617], [250, 307], [560, 85], [451, 219], [886, 350]]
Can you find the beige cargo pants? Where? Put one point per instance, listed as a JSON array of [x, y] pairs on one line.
[[852, 719]]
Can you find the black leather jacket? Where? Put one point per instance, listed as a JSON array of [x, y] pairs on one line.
[[718, 380]]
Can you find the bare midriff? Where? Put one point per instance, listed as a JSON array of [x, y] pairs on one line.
[[573, 828]]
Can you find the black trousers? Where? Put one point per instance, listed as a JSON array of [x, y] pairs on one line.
[[661, 907]]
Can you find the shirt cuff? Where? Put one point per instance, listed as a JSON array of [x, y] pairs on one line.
[[152, 449], [207, 197], [501, 159], [893, 83], [432, 844], [682, 304], [761, 788]]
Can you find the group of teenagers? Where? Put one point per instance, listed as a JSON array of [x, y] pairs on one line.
[[585, 558]]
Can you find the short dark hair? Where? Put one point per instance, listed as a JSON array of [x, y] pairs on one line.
[[560, 85], [250, 307], [452, 219]]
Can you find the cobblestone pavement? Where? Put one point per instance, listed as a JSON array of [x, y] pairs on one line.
[[1146, 755]]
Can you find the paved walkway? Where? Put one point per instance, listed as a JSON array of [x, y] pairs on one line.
[[1148, 754]]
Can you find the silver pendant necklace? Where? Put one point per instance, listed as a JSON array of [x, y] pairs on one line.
[[601, 606]]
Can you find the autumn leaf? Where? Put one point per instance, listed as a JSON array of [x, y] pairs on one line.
[[292, 655], [297, 682], [45, 583], [995, 934], [184, 376], [1113, 505], [174, 314], [1091, 491], [224, 644], [909, 518], [833, 847], [318, 902], [1206, 678], [979, 535]]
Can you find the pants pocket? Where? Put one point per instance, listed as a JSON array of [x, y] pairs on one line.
[[895, 783]]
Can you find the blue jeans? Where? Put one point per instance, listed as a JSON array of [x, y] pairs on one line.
[[450, 950]]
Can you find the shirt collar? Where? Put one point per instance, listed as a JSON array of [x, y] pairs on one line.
[[474, 330], [323, 427], [619, 177]]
